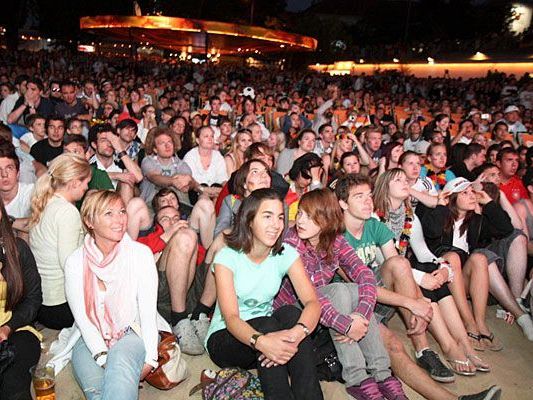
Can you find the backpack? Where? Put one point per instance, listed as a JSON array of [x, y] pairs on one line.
[[229, 384]]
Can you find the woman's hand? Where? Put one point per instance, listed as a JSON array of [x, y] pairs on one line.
[[442, 275], [277, 347], [5, 331], [147, 368], [430, 282], [482, 197], [358, 329]]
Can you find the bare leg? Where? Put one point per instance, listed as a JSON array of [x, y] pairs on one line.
[[516, 265], [203, 220], [500, 290], [398, 276], [126, 192], [457, 288], [453, 321], [411, 374], [179, 263], [447, 343], [138, 217], [476, 273], [209, 294]]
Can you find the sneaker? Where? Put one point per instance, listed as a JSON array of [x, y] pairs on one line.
[[187, 339], [201, 326], [431, 362], [367, 390], [391, 389], [492, 393]]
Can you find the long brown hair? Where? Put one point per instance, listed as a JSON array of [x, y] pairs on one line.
[[10, 268], [324, 209], [454, 216], [241, 237], [382, 202]]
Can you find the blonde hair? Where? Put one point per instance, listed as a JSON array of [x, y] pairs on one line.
[[238, 157], [95, 204], [62, 170]]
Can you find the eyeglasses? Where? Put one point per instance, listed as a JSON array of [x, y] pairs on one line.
[[166, 219]]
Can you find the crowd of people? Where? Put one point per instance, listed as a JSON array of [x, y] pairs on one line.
[[243, 209]]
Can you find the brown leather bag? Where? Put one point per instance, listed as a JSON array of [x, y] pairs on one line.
[[172, 367]]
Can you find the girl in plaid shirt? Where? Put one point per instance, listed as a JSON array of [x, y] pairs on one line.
[[347, 307]]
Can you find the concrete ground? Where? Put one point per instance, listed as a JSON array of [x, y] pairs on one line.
[[512, 369]]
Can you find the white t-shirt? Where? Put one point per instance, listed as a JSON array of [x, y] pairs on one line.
[[20, 206], [28, 138], [458, 239], [216, 173]]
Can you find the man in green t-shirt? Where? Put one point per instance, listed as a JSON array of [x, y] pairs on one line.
[[374, 244], [100, 180]]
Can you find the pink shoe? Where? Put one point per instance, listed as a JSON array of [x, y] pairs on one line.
[[367, 390], [391, 389]]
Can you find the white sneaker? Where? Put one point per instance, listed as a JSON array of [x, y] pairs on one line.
[[187, 339], [201, 326], [526, 324]]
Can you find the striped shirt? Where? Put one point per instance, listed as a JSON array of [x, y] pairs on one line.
[[321, 274]]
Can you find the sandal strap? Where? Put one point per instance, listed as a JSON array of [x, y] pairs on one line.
[[474, 336], [466, 363], [487, 337]]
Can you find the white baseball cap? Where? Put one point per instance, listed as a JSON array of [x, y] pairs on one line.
[[457, 185], [510, 109]]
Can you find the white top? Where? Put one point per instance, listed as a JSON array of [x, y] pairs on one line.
[[29, 139], [418, 244], [52, 240], [20, 206], [216, 173], [458, 239], [137, 262], [7, 106]]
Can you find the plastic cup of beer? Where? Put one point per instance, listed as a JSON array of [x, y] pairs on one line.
[[43, 378]]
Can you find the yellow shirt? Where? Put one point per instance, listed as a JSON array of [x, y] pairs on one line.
[[5, 316]]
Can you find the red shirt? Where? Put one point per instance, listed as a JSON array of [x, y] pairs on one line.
[[156, 244], [514, 190]]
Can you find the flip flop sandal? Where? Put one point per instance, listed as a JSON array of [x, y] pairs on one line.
[[454, 363], [478, 363], [495, 344], [476, 342]]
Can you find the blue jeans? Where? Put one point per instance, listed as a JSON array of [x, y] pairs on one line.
[[120, 378]]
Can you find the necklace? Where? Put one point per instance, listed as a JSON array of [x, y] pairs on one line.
[[400, 223], [438, 179]]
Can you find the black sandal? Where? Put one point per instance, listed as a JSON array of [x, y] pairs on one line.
[[495, 344], [477, 345]]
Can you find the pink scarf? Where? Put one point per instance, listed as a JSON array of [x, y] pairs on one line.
[[117, 314]]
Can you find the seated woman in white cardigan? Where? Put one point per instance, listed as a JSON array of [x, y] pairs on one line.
[[55, 232], [111, 287]]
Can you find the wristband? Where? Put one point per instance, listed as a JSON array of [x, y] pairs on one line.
[[305, 328], [122, 154], [97, 356]]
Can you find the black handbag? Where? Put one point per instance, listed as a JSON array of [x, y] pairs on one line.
[[328, 365], [7, 355]]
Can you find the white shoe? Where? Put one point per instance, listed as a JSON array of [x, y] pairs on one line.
[[187, 339], [526, 324], [201, 326]]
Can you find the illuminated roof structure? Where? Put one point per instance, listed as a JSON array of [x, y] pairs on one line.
[[196, 36]]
